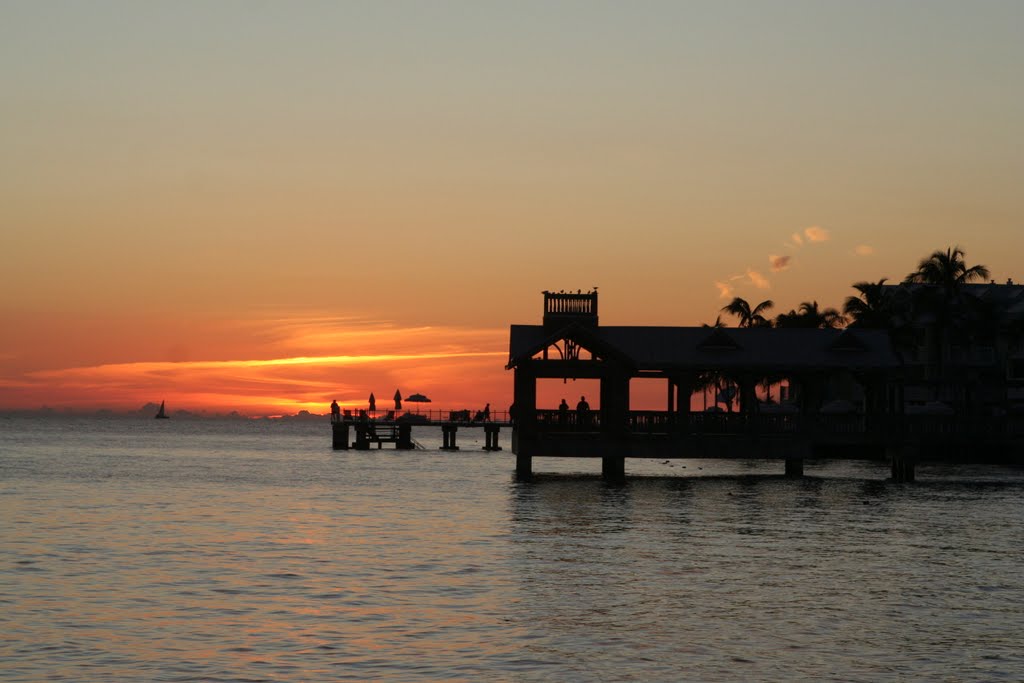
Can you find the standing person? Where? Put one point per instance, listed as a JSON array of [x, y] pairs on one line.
[[563, 413], [583, 411], [335, 411], [487, 412]]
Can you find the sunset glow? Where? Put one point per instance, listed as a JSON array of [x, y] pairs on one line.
[[263, 208]]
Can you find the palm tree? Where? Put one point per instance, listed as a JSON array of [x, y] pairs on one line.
[[871, 308], [809, 315], [718, 323], [943, 275], [748, 317], [948, 270]]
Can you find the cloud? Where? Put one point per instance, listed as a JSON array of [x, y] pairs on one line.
[[724, 290], [864, 250], [301, 364], [757, 279], [779, 263], [797, 238], [816, 233]]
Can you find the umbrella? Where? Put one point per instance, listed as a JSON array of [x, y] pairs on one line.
[[398, 399], [373, 403], [417, 398]]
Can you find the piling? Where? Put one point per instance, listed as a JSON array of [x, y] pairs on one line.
[[339, 436], [794, 467], [613, 468], [405, 437], [448, 437], [491, 433], [524, 467], [903, 460]]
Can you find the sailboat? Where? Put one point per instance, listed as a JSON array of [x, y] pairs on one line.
[[160, 414]]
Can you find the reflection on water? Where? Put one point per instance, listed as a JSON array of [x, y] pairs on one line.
[[250, 551]]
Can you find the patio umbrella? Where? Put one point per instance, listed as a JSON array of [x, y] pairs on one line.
[[417, 398], [398, 399], [373, 403]]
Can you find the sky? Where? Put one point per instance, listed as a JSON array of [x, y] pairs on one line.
[[264, 206]]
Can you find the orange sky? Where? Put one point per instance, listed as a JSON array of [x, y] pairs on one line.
[[193, 196]]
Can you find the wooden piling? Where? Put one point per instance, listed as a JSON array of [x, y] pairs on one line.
[[904, 461], [794, 467], [491, 432], [613, 468], [448, 437], [339, 440], [405, 437], [524, 467]]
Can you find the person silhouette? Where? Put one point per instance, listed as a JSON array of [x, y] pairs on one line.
[[583, 411], [563, 412], [335, 412]]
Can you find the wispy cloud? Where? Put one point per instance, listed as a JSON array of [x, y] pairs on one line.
[[725, 290], [757, 279], [303, 364], [779, 263], [864, 250], [816, 233], [115, 369], [797, 239]]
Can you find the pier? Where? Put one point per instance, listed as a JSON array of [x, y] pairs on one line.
[[846, 397], [365, 430], [844, 394]]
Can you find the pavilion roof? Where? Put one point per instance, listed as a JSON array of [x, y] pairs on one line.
[[696, 348]]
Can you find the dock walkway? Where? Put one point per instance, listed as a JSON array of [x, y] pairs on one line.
[[386, 427]]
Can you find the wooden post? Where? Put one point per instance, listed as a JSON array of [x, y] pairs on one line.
[[903, 463], [613, 468], [794, 467], [524, 467], [448, 433], [404, 437], [614, 404], [491, 437], [339, 439], [684, 391], [362, 437]]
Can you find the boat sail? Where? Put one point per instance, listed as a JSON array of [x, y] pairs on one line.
[[161, 415]]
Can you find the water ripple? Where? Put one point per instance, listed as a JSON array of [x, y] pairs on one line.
[[237, 553]]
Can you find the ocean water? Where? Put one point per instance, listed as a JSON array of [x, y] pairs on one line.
[[144, 550]]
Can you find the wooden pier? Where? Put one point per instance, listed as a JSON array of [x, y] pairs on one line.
[[388, 428], [846, 399], [857, 370]]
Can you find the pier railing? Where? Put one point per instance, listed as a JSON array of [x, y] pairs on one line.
[[464, 416], [652, 422]]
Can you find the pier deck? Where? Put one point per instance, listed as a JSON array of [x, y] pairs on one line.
[[388, 427]]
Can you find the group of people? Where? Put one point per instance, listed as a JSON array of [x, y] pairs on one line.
[[582, 412], [483, 415]]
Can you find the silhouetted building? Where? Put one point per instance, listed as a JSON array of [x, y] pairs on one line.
[[962, 351]]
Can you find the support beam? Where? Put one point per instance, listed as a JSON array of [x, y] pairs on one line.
[[448, 438], [524, 467], [903, 470], [405, 437], [903, 462], [613, 468], [491, 433], [794, 467], [339, 436], [362, 442]]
